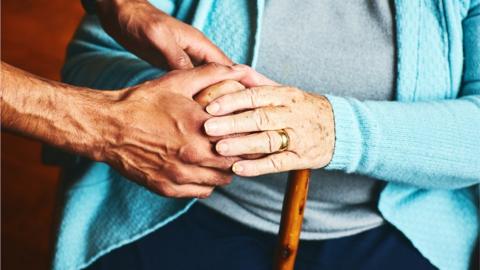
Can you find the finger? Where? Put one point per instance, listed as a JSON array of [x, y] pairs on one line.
[[258, 143], [200, 153], [268, 118], [199, 78], [193, 191], [178, 59], [274, 163], [201, 49], [219, 162], [255, 78], [183, 191], [175, 56], [193, 174], [217, 90], [253, 98]]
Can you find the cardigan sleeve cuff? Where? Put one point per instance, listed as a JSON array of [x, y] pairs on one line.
[[347, 151]]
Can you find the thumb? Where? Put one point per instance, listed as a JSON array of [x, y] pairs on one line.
[[175, 56], [202, 50]]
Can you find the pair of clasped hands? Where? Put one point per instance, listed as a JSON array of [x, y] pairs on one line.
[[183, 134]]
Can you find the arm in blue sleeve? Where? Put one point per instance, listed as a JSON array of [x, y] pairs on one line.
[[424, 144], [95, 60]]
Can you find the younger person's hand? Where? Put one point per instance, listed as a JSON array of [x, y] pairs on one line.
[[153, 133], [156, 37]]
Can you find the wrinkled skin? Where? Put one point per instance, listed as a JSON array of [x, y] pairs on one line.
[[156, 136], [307, 118]]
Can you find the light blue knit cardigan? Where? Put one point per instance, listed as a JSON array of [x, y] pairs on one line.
[[426, 144]]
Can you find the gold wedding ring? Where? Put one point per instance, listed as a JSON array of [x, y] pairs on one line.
[[285, 139]]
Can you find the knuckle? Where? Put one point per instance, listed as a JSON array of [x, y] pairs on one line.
[[272, 141], [182, 59], [252, 95], [167, 190], [277, 163], [189, 154], [176, 175], [261, 118], [182, 179]]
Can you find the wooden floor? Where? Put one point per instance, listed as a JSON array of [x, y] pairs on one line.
[[34, 36]]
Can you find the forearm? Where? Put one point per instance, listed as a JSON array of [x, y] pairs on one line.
[[424, 144], [58, 114]]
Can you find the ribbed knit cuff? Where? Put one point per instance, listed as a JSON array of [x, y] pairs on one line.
[[347, 151]]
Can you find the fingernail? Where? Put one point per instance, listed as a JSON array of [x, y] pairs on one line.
[[222, 148], [213, 108], [237, 168], [211, 127]]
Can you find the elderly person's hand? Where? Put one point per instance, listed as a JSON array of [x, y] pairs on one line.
[[156, 37], [295, 129]]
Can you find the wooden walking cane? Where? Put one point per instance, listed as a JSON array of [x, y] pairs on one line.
[[292, 218], [295, 194]]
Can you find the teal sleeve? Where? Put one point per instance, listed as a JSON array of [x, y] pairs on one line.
[[96, 61], [424, 144], [94, 58]]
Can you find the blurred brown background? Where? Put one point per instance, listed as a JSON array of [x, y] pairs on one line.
[[34, 37]]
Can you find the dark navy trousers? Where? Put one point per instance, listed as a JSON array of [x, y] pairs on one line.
[[204, 239]]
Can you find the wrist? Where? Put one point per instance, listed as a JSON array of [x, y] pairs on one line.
[[97, 122], [72, 118], [347, 149], [79, 122], [327, 121]]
